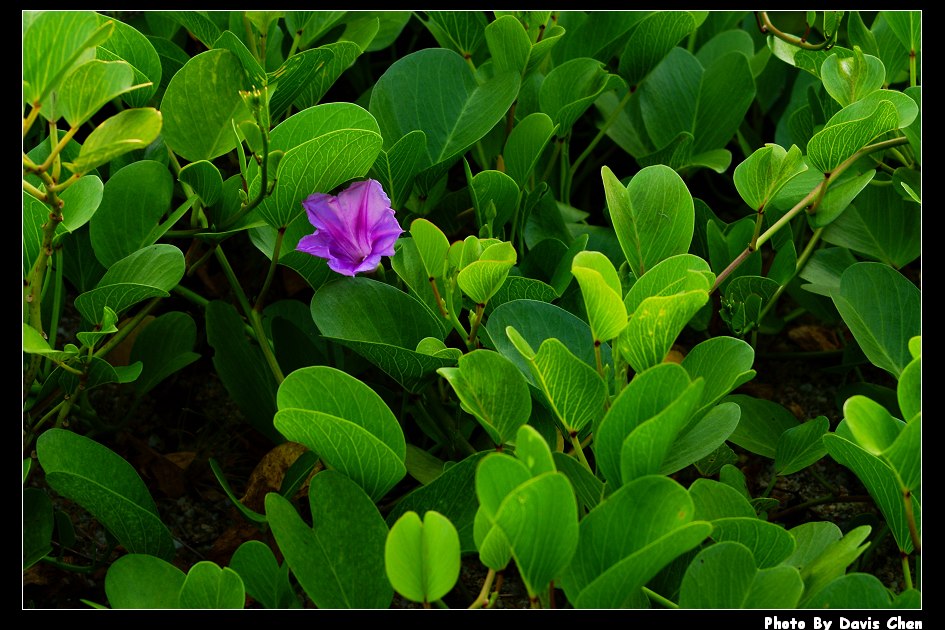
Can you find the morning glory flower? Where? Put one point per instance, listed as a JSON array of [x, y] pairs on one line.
[[352, 230]]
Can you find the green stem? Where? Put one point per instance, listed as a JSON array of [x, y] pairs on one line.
[[910, 519], [264, 188], [254, 320], [69, 567], [126, 329], [602, 131], [551, 162], [912, 69], [659, 599], [34, 191], [474, 328], [30, 118], [39, 423], [906, 573], [54, 153], [850, 498], [768, 27], [57, 297], [566, 171], [579, 451], [280, 234], [483, 598], [801, 262]]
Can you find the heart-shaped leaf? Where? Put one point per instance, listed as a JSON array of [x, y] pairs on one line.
[[651, 39], [265, 581], [714, 500], [725, 575], [128, 44], [851, 129], [397, 167], [422, 557], [526, 143], [508, 44], [769, 543], [572, 87], [205, 179], [482, 278], [655, 325], [853, 590], [432, 245], [138, 580], [761, 425], [759, 178], [108, 487], [339, 561], [724, 363], [209, 586], [702, 437], [849, 79], [346, 423], [91, 86], [498, 189]]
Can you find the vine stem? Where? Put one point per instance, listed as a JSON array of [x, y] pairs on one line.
[[910, 518], [579, 451], [254, 320], [811, 198], [58, 148], [30, 118], [483, 598], [906, 573], [272, 270], [602, 131], [768, 27]]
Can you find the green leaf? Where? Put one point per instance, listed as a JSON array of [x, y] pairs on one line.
[[164, 346], [242, 368], [538, 519], [761, 425], [759, 178], [769, 543], [492, 389], [397, 167], [525, 143], [744, 298], [907, 25], [308, 26], [905, 456], [198, 23], [627, 539], [702, 438], [800, 446], [573, 389], [849, 79], [871, 426], [209, 586], [537, 322], [108, 487], [509, 46], [296, 77], [710, 103], [653, 215], [497, 188], [382, 324], [432, 245], [462, 31], [127, 44], [90, 86], [647, 396], [126, 131], [588, 489], [851, 129], [447, 103], [205, 179], [837, 200], [342, 55], [37, 525], [346, 423], [264, 579], [149, 272], [55, 43], [853, 590], [909, 390], [714, 500], [651, 39], [80, 202], [881, 482], [674, 275], [881, 226], [571, 88], [520, 288], [324, 146], [725, 575], [823, 553], [133, 202], [200, 102], [452, 494], [882, 309], [339, 561], [482, 278], [601, 290], [725, 364], [137, 580], [655, 325], [422, 558], [35, 343]]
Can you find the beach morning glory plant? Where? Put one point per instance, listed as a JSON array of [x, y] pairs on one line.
[[353, 229]]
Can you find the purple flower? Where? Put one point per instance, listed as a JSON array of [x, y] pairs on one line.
[[353, 230]]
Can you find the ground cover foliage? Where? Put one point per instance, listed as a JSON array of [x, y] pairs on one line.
[[485, 291]]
